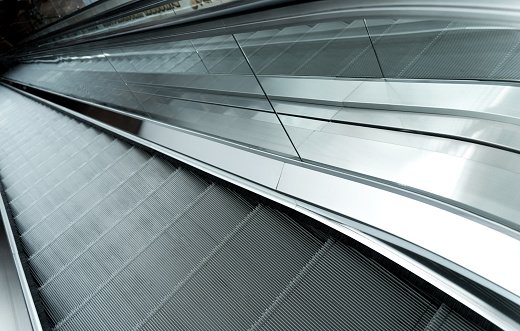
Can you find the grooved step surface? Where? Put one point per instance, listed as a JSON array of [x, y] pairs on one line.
[[119, 239], [346, 291]]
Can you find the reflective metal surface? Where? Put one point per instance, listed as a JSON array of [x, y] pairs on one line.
[[173, 84], [383, 139], [485, 101], [316, 91], [13, 310], [499, 134], [455, 233], [238, 161], [411, 220], [474, 175], [17, 309], [339, 49]]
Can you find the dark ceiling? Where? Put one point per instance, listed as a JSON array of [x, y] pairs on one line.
[[21, 18]]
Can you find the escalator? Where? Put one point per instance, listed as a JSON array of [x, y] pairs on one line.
[[274, 164], [118, 238]]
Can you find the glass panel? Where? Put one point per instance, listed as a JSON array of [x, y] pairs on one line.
[[204, 85], [162, 12], [446, 49], [88, 76], [337, 49]]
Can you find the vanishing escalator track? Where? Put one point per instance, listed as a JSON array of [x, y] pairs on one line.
[[120, 238]]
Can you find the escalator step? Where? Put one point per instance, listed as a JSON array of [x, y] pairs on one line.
[[119, 239]]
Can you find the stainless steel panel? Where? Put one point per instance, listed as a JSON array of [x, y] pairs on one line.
[[478, 176], [13, 310], [230, 84], [257, 129], [496, 133], [446, 234], [215, 97], [245, 164], [307, 110], [313, 90], [478, 153], [491, 102], [331, 219]]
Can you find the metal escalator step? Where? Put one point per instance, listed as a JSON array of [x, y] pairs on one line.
[[119, 239], [86, 186], [68, 166], [91, 225], [108, 254], [241, 279], [86, 169], [346, 291], [171, 255], [22, 160], [438, 318], [214, 213]]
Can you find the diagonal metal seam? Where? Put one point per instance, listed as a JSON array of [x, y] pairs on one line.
[[129, 261], [321, 49], [267, 97], [286, 49], [124, 82], [438, 318], [372, 42], [426, 48], [256, 50], [200, 265], [211, 52], [373, 48], [200, 58], [226, 56]]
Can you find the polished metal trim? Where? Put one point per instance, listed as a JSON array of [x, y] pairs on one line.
[[489, 102], [266, 95], [31, 309], [413, 221], [350, 226], [463, 296]]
